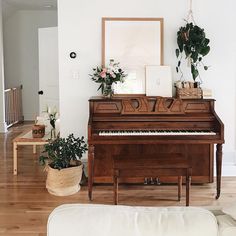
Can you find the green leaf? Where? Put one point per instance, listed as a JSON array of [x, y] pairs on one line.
[[194, 56], [206, 67], [177, 52], [200, 58], [180, 44], [179, 62], [194, 72], [177, 69], [206, 41], [187, 50], [204, 51], [100, 86]]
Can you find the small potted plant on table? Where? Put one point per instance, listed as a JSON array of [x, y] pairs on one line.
[[64, 168]]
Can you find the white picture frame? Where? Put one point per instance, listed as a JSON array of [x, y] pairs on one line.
[[134, 43], [158, 81]]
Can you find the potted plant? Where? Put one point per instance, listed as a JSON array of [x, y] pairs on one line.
[[192, 41], [64, 168]]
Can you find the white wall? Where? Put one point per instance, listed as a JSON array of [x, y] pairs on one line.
[[3, 127], [21, 54], [80, 30]]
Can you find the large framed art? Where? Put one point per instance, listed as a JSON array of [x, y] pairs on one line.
[[135, 43]]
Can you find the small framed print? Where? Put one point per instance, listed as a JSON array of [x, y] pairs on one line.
[[158, 81]]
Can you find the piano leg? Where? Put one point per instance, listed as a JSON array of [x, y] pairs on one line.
[[115, 186], [180, 181], [90, 170], [218, 169]]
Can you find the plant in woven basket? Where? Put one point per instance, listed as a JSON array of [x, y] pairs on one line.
[[63, 152], [192, 41], [64, 167]]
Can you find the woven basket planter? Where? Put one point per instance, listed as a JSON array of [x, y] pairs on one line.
[[64, 182], [189, 93]]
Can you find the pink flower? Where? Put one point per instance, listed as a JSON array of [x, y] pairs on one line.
[[112, 75], [104, 70], [103, 74]]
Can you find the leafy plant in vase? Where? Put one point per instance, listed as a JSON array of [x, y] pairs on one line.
[[192, 42], [107, 76]]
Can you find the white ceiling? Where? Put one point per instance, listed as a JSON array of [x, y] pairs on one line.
[[10, 6]]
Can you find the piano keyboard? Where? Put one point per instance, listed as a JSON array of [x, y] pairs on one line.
[[155, 132]]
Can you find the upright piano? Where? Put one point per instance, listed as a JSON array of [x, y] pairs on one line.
[[141, 125]]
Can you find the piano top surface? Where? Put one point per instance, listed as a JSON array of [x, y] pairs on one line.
[[133, 96]]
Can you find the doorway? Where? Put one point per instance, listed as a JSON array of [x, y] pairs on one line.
[[48, 69], [21, 21]]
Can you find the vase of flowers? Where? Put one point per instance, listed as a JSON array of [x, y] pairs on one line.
[[107, 76], [52, 116]]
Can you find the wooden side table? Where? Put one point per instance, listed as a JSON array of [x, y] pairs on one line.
[[161, 164], [26, 139]]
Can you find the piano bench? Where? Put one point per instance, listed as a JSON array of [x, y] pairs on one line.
[[161, 164]]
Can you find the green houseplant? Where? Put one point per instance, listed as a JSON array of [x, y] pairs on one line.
[[64, 168], [192, 41]]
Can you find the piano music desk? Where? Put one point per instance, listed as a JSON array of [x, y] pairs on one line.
[[162, 164]]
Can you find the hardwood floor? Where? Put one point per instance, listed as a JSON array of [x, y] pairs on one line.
[[25, 203]]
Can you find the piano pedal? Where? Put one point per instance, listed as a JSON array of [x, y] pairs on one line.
[[157, 181], [145, 181], [152, 181]]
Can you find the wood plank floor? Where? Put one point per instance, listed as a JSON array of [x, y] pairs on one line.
[[25, 203]]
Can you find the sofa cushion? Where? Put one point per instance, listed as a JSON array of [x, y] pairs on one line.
[[105, 220], [227, 225]]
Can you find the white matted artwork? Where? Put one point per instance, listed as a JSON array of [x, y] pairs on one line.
[[134, 43], [158, 81]]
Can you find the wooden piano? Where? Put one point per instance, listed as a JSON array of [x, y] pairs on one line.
[[148, 125]]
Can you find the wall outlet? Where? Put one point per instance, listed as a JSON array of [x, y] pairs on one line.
[[75, 74]]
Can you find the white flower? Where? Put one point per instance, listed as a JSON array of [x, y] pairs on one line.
[[49, 110]]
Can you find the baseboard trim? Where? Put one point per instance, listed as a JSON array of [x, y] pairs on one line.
[[3, 127], [229, 170]]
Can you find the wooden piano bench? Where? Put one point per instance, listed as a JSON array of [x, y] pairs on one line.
[[161, 164]]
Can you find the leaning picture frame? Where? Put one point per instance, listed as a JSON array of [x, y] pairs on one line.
[[134, 43], [158, 81]]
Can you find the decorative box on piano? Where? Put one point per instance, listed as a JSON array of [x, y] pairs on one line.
[[151, 125], [188, 93], [188, 90]]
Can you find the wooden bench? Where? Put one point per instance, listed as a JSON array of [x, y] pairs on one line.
[[23, 139], [161, 164]]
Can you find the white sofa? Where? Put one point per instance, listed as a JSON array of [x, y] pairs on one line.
[[106, 220], [226, 223]]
